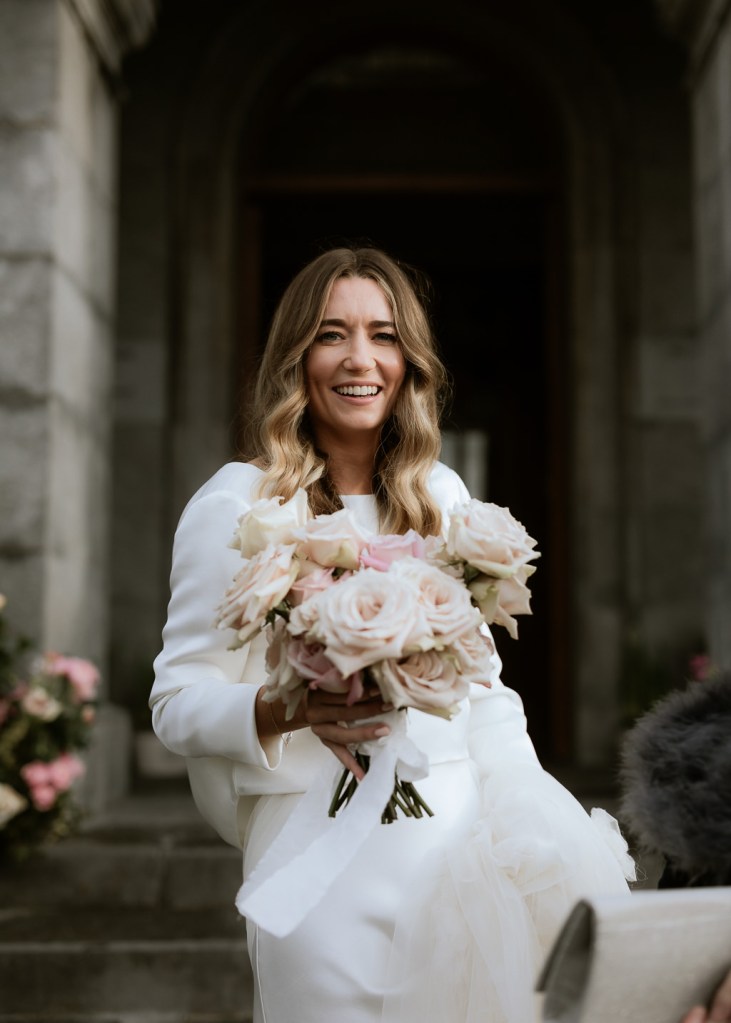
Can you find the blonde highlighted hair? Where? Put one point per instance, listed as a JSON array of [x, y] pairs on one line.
[[281, 440]]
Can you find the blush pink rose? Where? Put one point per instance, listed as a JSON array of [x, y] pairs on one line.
[[282, 682], [446, 603], [310, 662], [82, 674], [427, 680], [333, 541], [475, 652], [258, 587], [313, 580], [382, 551], [368, 617]]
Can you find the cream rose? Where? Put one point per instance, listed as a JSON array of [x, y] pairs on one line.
[[513, 599], [333, 541], [258, 587], [446, 603], [282, 681], [474, 653], [269, 521], [40, 704], [426, 680], [366, 618], [11, 804], [489, 539]]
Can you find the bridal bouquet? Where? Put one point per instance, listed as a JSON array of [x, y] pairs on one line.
[[346, 611]]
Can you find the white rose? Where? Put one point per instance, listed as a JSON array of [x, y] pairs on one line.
[[11, 804], [446, 602], [333, 541], [426, 680], [40, 704], [258, 587], [489, 539], [366, 618], [269, 522]]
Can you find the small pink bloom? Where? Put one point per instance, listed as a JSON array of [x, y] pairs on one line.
[[43, 796], [64, 771], [82, 674], [35, 773], [382, 551], [88, 715]]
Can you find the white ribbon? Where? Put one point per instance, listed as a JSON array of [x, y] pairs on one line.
[[312, 849]]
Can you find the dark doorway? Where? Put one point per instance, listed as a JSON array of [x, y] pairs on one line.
[[450, 163]]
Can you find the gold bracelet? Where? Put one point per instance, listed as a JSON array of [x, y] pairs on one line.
[[285, 738]]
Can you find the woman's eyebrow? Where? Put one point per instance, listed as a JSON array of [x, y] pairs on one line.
[[373, 323]]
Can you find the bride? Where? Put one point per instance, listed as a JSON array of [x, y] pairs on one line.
[[441, 919]]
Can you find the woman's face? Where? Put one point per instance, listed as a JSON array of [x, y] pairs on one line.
[[355, 366]]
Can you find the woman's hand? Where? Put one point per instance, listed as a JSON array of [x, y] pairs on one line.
[[328, 715], [720, 1011]]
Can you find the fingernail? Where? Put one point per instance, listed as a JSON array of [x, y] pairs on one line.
[[382, 730]]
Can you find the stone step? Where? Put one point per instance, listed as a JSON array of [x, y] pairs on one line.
[[123, 964], [146, 851]]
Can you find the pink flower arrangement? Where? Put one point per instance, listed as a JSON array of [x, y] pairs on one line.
[[343, 609], [45, 718]]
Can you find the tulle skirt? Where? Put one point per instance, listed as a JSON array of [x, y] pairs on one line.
[[443, 919]]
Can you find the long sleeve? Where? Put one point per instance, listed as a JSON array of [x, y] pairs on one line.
[[197, 707]]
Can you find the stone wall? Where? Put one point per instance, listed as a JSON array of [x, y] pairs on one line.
[[712, 185], [58, 217]]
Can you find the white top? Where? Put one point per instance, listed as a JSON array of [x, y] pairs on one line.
[[199, 708]]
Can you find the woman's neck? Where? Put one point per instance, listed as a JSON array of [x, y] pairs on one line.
[[351, 468]]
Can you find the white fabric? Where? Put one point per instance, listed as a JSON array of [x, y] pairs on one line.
[[440, 920]]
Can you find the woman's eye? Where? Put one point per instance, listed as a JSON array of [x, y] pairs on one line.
[[386, 336], [328, 336]]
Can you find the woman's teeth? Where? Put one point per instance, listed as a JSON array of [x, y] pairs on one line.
[[357, 391]]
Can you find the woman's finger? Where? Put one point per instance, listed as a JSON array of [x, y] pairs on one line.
[[319, 711], [721, 1004], [346, 758], [339, 734]]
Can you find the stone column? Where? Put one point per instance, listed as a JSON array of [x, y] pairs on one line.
[[706, 26], [59, 67]]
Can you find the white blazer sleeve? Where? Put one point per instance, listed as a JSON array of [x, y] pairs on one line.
[[198, 709]]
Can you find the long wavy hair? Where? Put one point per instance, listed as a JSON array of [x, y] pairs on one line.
[[281, 440]]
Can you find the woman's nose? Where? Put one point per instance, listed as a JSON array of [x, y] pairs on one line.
[[360, 356]]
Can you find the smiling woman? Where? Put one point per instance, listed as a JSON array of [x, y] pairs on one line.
[[347, 411]]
